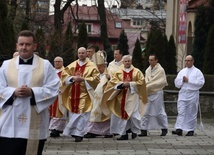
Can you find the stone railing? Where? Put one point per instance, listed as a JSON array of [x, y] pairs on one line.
[[206, 103]]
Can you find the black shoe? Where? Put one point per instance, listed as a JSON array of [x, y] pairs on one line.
[[190, 133], [78, 139], [164, 132], [55, 133], [90, 135], [129, 131], [108, 136], [178, 132], [115, 134], [143, 133], [134, 135], [60, 131], [123, 137]]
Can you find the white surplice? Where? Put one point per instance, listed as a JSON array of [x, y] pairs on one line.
[[155, 116], [114, 66], [16, 119], [188, 98]]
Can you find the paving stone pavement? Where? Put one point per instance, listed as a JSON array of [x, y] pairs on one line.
[[202, 143]]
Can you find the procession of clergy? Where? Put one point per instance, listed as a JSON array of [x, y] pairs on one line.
[[116, 99], [96, 99], [87, 98]]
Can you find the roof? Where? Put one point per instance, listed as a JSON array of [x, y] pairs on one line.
[[193, 4], [139, 13], [89, 14]]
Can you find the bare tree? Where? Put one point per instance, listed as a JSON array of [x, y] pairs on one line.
[[103, 28], [13, 7]]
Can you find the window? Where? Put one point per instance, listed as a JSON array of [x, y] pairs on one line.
[[118, 25], [138, 22], [89, 28]]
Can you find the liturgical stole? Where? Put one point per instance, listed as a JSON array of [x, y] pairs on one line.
[[127, 77], [53, 107], [75, 91]]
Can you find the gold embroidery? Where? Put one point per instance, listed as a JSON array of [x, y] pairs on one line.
[[96, 113], [97, 97], [34, 134], [127, 79], [46, 98], [79, 72], [22, 118]]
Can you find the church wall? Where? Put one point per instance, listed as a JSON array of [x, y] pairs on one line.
[[191, 18]]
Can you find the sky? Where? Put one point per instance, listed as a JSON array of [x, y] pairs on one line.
[[108, 3]]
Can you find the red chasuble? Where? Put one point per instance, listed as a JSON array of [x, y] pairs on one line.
[[75, 91], [53, 107], [127, 77]]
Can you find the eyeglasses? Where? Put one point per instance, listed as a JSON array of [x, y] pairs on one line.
[[187, 60], [57, 61]]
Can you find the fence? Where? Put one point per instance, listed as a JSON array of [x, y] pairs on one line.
[[206, 103]]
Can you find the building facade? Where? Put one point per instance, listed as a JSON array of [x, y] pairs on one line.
[[180, 23]]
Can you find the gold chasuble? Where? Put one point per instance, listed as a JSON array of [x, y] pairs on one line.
[[56, 109], [121, 102], [77, 96]]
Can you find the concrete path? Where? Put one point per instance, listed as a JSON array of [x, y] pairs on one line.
[[202, 143]]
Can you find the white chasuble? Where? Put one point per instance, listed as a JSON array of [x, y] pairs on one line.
[[97, 112]]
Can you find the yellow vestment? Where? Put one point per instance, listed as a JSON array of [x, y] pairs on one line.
[[113, 97], [83, 102], [56, 109], [156, 80]]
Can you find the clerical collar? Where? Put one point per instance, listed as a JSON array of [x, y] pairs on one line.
[[25, 61], [127, 70], [81, 63]]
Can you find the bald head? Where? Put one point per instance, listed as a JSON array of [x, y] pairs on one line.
[[58, 62], [189, 61], [82, 53]]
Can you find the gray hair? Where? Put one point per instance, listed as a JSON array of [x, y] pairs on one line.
[[127, 56]]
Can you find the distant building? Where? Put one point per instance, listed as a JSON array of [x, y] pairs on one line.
[[180, 23], [140, 20], [89, 15], [144, 4], [36, 7]]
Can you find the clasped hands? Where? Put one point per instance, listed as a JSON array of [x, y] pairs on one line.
[[123, 85], [23, 91], [77, 79], [185, 79]]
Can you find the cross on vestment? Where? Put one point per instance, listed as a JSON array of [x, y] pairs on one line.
[[79, 72], [95, 113], [22, 118], [127, 78], [97, 97]]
